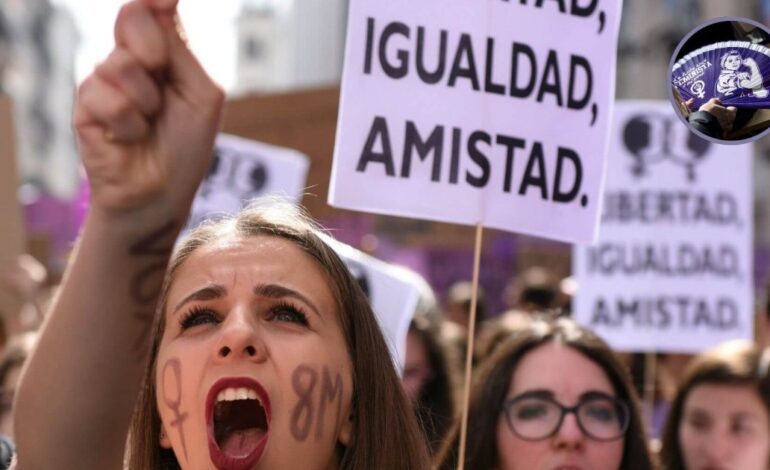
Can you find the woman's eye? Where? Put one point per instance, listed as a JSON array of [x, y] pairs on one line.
[[605, 413], [699, 422], [740, 428], [530, 412], [288, 313], [198, 316]]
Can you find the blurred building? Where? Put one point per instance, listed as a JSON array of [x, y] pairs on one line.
[[289, 44], [39, 44]]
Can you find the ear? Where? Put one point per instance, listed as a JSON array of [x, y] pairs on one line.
[[346, 431], [165, 442]]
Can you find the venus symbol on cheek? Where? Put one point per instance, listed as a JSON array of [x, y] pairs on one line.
[[172, 371]]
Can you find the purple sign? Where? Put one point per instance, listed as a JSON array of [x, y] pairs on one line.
[[736, 72]]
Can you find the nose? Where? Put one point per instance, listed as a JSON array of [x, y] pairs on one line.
[[717, 446], [240, 338], [569, 435]]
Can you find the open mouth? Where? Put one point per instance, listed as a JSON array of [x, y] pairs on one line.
[[238, 414]]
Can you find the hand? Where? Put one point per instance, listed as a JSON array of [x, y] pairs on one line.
[[725, 115], [749, 62], [146, 118]]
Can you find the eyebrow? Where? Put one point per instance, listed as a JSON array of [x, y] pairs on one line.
[[537, 393], [214, 291], [271, 291], [591, 394], [276, 291], [545, 393]]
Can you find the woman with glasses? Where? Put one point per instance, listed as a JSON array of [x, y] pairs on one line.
[[720, 417], [552, 396]]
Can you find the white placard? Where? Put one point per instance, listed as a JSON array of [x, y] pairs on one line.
[[672, 270], [392, 294], [243, 169], [470, 111]]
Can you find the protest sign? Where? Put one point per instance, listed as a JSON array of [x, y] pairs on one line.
[[392, 293], [672, 270], [478, 111], [243, 169]]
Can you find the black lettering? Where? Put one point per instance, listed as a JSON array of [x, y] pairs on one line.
[[579, 10], [518, 51], [538, 180], [489, 85], [577, 62], [402, 68], [369, 46], [464, 50], [551, 80], [511, 144], [454, 167], [379, 130], [426, 76], [562, 155], [478, 158], [413, 141]]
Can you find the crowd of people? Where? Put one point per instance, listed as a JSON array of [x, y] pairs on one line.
[[251, 345]]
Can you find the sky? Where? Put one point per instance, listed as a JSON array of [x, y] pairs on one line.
[[210, 25]]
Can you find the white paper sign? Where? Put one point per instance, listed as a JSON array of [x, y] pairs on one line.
[[392, 294], [243, 169], [672, 270], [472, 111]]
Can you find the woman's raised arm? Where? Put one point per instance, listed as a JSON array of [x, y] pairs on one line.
[[145, 119]]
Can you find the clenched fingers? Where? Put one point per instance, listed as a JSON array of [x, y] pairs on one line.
[[137, 30], [104, 105], [123, 71]]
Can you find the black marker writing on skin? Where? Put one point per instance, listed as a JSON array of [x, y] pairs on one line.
[[304, 381], [174, 367], [146, 283]]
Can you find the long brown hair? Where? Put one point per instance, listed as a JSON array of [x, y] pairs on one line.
[[731, 363], [385, 432], [492, 381]]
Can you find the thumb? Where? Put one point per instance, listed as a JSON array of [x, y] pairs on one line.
[[185, 72]]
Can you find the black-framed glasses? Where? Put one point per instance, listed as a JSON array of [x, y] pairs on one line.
[[535, 417]]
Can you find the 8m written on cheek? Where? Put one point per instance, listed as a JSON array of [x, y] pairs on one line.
[[304, 380]]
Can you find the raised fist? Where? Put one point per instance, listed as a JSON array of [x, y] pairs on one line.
[[146, 118]]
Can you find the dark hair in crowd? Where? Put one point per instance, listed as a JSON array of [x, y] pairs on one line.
[[492, 381], [435, 405], [385, 432], [739, 363]]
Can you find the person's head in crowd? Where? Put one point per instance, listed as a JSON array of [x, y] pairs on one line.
[[720, 417], [430, 378], [457, 307], [264, 340], [14, 355], [568, 287], [535, 289], [552, 396], [496, 331]]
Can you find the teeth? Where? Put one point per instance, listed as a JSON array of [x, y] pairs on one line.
[[240, 393]]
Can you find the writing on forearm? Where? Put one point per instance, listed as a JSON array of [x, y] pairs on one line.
[[145, 284]]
